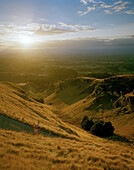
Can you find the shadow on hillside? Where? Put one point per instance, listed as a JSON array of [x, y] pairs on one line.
[[119, 138], [8, 123]]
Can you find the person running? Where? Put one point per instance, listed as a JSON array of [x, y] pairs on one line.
[[35, 129], [38, 126]]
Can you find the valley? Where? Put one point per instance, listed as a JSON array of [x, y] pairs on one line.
[[58, 91]]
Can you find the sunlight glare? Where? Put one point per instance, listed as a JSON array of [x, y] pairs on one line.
[[26, 41]]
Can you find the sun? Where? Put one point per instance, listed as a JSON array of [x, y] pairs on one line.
[[26, 41]]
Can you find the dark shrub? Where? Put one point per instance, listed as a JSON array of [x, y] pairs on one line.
[[102, 128], [97, 129], [108, 128], [85, 118], [86, 124]]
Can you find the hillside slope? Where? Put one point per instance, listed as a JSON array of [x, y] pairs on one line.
[[72, 90], [110, 99], [58, 145], [17, 105], [27, 151]]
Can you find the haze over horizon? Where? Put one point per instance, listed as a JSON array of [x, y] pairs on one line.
[[83, 26]]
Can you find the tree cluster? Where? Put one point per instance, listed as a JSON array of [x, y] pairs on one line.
[[99, 128]]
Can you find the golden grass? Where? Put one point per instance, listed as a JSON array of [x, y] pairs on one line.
[[15, 103], [93, 96], [73, 149], [123, 123], [19, 150]]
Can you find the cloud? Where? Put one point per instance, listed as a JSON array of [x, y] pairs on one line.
[[120, 7], [106, 6], [46, 29], [41, 29], [93, 45], [18, 29], [77, 28], [118, 2], [131, 12], [107, 11], [51, 30], [109, 8], [42, 19], [84, 2], [88, 10], [123, 43]]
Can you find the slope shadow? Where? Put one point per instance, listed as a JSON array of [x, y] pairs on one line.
[[8, 123], [116, 137]]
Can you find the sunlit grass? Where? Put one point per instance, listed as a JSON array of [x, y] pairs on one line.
[[27, 151]]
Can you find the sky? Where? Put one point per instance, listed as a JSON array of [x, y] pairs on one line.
[[75, 25]]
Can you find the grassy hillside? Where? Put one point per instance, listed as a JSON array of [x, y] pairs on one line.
[[17, 105], [108, 99], [72, 90], [59, 145], [59, 92], [19, 150]]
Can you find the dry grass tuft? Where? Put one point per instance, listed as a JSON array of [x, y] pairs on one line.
[[26, 151]]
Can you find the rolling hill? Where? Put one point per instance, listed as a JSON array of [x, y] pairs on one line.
[[17, 105], [110, 99], [61, 142]]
